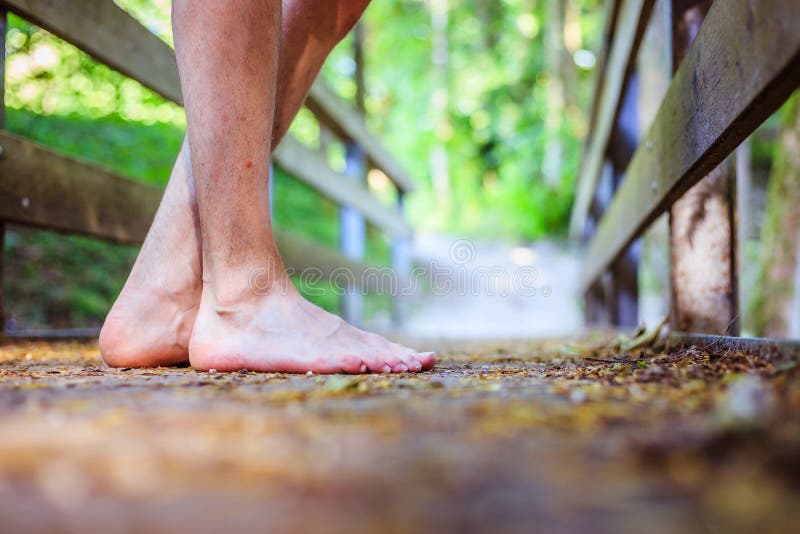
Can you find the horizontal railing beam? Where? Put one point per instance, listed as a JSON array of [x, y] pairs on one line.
[[347, 123], [42, 188], [310, 166], [743, 65], [51, 191], [628, 34], [106, 32], [111, 36]]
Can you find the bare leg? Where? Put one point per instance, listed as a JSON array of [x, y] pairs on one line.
[[151, 321], [230, 120]]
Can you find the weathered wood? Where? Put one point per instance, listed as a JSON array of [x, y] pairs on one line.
[[54, 192], [701, 224], [349, 124], [310, 166], [353, 232], [106, 32], [744, 63], [611, 9], [774, 292], [310, 260], [45, 189], [630, 29]]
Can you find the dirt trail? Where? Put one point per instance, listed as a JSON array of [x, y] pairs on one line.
[[493, 290], [504, 437]]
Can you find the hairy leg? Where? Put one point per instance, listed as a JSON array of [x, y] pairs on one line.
[[150, 322], [273, 329]]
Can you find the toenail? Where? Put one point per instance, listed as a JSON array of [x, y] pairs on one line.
[[309, 373], [212, 371], [363, 368], [387, 369], [403, 368]]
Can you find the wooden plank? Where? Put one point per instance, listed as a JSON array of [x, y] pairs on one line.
[[701, 224], [630, 29], [754, 346], [308, 259], [54, 192], [353, 232], [743, 65], [346, 122], [311, 167], [107, 33], [42, 188]]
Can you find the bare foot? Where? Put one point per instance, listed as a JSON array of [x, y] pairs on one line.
[[282, 332]]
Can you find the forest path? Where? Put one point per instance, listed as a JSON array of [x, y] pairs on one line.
[[493, 290], [500, 436]]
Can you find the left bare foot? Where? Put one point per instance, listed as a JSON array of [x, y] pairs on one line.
[[282, 332]]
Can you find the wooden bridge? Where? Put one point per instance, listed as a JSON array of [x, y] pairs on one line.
[[590, 434], [44, 189]]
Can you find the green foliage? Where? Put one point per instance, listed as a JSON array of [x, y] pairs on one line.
[[496, 87]]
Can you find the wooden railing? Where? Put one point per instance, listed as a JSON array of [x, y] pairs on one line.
[[729, 65], [42, 188]]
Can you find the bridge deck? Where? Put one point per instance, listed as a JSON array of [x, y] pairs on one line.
[[500, 435]]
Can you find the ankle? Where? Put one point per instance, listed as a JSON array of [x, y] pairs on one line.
[[237, 291]]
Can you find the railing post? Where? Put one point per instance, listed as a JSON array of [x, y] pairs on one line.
[[624, 286], [353, 234], [702, 230], [401, 266]]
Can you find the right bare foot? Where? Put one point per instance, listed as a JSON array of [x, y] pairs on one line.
[[282, 332]]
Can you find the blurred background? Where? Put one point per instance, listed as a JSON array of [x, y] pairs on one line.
[[485, 104]]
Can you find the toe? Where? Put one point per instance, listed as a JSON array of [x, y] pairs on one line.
[[426, 359], [376, 364], [415, 365]]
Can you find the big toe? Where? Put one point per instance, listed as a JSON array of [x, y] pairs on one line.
[[426, 359]]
